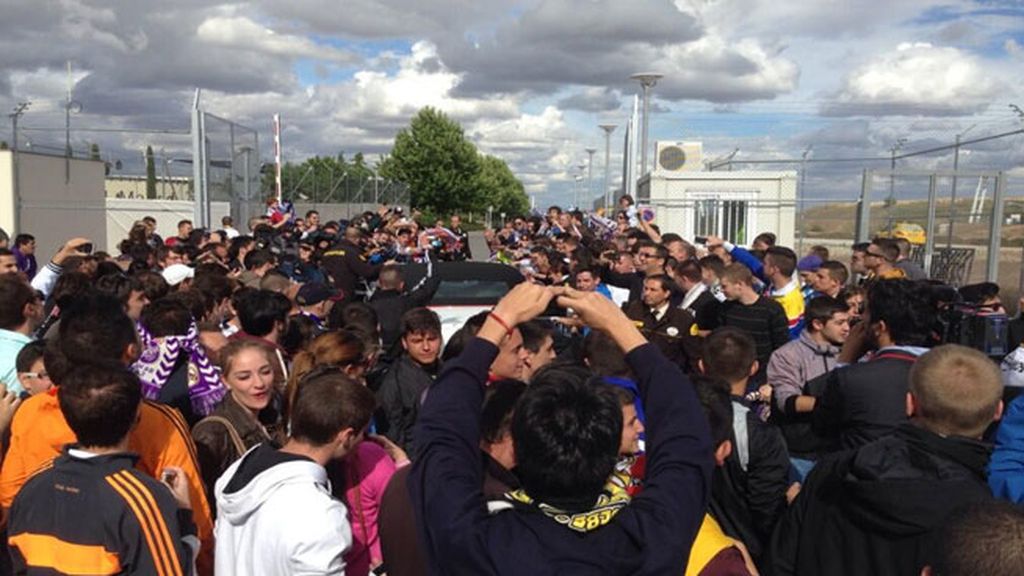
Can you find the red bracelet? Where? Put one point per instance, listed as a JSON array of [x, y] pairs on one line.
[[498, 319]]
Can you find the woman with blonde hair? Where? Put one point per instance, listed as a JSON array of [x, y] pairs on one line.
[[248, 415], [361, 477]]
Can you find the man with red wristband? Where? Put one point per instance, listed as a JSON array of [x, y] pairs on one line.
[[566, 431]]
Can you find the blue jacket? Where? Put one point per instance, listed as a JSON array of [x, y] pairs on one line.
[[1006, 469], [651, 535]]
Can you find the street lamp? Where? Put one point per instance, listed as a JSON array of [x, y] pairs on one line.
[[19, 109], [892, 178], [590, 173], [647, 81], [69, 107], [803, 195], [952, 200], [608, 129], [576, 190]]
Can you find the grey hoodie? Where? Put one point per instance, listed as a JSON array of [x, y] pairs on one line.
[[796, 362]]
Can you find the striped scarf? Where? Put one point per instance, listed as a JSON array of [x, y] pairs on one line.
[[158, 359]]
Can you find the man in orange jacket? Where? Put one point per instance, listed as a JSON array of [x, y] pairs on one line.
[[96, 328]]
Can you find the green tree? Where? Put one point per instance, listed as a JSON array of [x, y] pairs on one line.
[[150, 174], [94, 151], [4, 145], [436, 161], [500, 188]]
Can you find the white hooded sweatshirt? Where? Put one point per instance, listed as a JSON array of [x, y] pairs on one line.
[[282, 522]]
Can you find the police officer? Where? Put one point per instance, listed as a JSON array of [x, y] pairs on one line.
[[673, 330], [346, 263]]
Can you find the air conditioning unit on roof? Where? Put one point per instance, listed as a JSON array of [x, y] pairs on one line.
[[673, 157]]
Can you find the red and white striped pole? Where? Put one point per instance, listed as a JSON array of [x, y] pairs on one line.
[[277, 155]]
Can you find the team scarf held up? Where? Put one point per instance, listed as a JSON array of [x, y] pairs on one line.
[[159, 357]]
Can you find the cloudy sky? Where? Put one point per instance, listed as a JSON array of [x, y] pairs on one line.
[[529, 80]]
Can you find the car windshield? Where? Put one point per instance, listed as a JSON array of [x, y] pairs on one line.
[[456, 292]]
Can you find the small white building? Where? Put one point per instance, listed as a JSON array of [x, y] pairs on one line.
[[733, 205]]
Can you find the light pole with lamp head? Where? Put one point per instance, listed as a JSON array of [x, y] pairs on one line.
[[647, 81], [590, 173], [581, 169], [19, 109], [803, 180], [952, 198], [891, 201], [608, 129]]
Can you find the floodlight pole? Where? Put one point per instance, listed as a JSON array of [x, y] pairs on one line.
[[952, 199], [647, 81], [19, 109], [892, 179], [590, 173], [608, 129]]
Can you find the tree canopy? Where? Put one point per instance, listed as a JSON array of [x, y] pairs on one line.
[[444, 171]]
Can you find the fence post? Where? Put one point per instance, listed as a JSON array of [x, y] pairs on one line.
[[996, 229], [864, 208], [199, 167], [929, 237]]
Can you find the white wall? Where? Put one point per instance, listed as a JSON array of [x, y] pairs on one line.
[[122, 213], [53, 209]]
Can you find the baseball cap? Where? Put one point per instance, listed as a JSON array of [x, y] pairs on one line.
[[809, 263], [315, 293]]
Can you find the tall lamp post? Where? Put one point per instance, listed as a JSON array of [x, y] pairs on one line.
[[608, 129], [952, 198], [590, 173], [19, 109], [892, 179], [580, 168], [647, 81], [803, 196]]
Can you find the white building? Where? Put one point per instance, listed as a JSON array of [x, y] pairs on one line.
[[734, 205]]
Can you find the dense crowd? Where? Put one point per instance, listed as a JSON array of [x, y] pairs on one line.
[[282, 401]]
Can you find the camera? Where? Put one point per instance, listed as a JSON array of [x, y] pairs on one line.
[[972, 326]]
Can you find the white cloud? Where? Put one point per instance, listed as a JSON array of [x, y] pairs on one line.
[[918, 79], [239, 32]]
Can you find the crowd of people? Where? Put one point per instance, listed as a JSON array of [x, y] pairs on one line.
[[282, 401]]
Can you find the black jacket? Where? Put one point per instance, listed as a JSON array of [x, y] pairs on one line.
[[651, 535], [399, 398], [391, 305], [864, 401], [346, 266], [99, 513], [674, 334], [748, 493], [705, 309], [465, 251], [874, 510]]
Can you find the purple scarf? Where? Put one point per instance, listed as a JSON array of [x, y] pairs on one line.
[[160, 355]]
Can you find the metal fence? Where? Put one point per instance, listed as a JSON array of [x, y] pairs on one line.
[[225, 167]]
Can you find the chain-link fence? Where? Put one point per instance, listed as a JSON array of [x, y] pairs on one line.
[[226, 167]]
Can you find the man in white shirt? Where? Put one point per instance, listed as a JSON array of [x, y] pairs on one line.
[[276, 512]]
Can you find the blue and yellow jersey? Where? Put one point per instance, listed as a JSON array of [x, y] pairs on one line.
[[792, 301]]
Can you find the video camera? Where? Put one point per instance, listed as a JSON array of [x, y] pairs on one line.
[[975, 327], [969, 324]]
